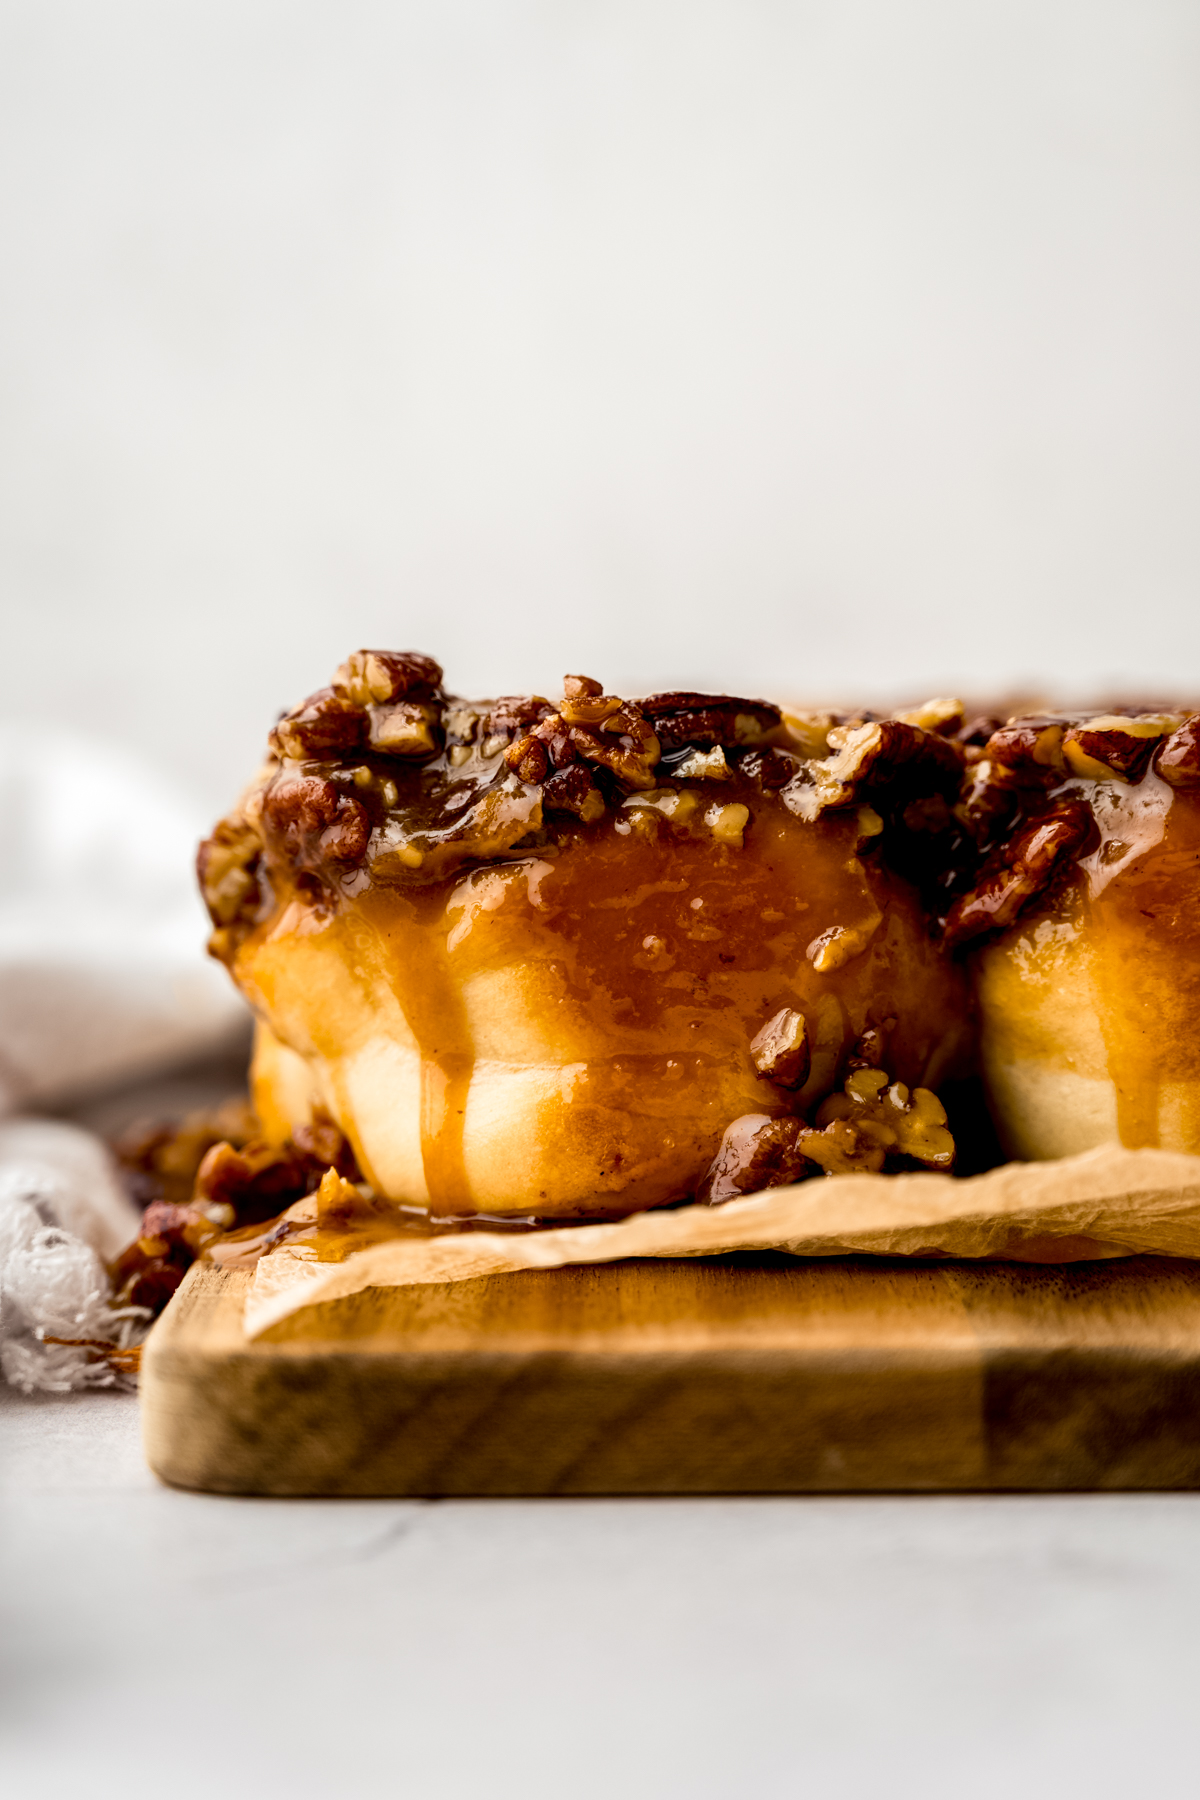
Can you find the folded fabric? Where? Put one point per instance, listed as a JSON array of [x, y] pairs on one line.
[[103, 975]]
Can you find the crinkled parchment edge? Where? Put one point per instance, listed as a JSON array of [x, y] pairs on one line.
[[1103, 1203]]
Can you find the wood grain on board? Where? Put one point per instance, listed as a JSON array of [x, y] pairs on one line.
[[740, 1374]]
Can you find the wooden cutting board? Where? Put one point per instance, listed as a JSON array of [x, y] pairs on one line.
[[735, 1375]]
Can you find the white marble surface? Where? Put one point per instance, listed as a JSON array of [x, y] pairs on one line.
[[164, 1644]]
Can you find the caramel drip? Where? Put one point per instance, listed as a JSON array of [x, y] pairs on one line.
[[445, 1083], [431, 1001], [1133, 1062], [1133, 891]]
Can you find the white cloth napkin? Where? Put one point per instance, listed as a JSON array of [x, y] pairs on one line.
[[103, 979], [103, 975], [62, 1209]]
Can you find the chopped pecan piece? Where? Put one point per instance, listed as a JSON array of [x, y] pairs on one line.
[[871, 1125], [622, 741], [528, 757], [255, 1181], [374, 676], [346, 839], [781, 1050], [460, 724], [687, 718], [808, 732], [975, 732], [325, 1146], [868, 1050], [1179, 759], [1029, 750], [772, 769], [233, 1188], [1019, 870], [159, 1159], [757, 1151], [625, 743], [514, 714], [149, 1270], [260, 1179], [227, 866], [314, 822], [585, 702], [988, 800], [943, 715], [1110, 747], [327, 724], [727, 823], [875, 757], [703, 765], [590, 709], [573, 790], [873, 1121], [407, 728], [837, 945]]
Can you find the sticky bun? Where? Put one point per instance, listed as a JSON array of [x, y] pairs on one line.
[[576, 958], [1082, 925]]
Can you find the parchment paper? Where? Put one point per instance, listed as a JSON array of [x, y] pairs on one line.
[[1107, 1202]]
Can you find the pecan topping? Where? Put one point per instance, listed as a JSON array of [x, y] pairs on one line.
[[1018, 870], [615, 737], [377, 676], [871, 1125], [1179, 759], [528, 757], [868, 1050], [233, 1187], [757, 1151], [226, 865], [781, 1050], [872, 758], [1110, 746], [1025, 804], [727, 823], [327, 724], [314, 823], [873, 1121], [943, 715], [772, 769], [839, 944], [514, 714], [707, 719], [573, 790], [1029, 749], [975, 731], [703, 765], [406, 729]]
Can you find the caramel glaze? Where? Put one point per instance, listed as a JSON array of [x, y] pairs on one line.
[[530, 895], [1098, 976]]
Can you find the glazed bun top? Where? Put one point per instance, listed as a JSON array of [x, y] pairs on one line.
[[384, 778], [1048, 795]]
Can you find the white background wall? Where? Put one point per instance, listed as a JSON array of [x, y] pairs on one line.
[[842, 345]]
